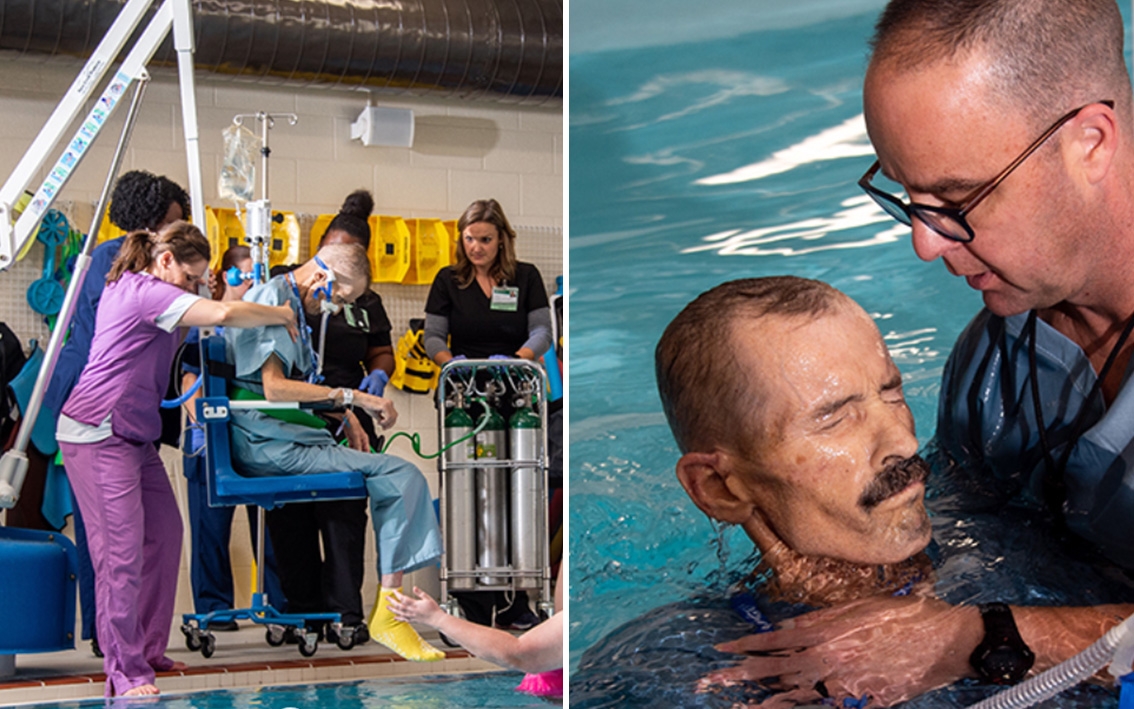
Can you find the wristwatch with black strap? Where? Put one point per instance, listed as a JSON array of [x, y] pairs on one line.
[[1002, 656]]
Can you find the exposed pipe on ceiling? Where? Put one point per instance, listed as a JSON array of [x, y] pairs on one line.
[[505, 50]]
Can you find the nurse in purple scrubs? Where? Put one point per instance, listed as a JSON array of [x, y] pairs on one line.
[[107, 428]]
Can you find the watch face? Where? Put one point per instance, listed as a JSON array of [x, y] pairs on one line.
[[1006, 664]]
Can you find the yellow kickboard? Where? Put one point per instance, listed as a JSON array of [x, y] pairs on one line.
[[389, 249], [429, 250]]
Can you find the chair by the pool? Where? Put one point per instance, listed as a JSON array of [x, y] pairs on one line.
[[227, 488]]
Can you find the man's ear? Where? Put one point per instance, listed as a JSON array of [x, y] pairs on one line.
[[1096, 141], [318, 278], [706, 479]]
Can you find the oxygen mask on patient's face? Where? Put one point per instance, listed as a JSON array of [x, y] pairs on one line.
[[325, 293]]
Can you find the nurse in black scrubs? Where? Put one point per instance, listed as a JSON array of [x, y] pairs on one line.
[[327, 577], [490, 305]]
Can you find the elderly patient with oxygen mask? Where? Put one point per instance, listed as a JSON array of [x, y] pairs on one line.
[[269, 365], [801, 436]]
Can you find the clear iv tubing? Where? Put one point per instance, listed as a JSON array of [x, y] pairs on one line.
[[1063, 676]]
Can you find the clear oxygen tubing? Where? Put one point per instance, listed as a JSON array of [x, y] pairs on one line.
[[322, 343], [1065, 675]]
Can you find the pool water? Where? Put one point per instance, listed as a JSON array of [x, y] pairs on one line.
[[490, 689], [733, 154]]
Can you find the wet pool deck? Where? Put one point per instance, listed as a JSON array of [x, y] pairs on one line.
[[242, 659]]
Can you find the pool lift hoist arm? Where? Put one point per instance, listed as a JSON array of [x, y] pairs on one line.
[[14, 238]]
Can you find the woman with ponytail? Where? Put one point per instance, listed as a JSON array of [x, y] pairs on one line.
[[106, 431], [145, 201]]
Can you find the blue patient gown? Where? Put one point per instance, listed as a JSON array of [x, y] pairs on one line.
[[986, 421], [401, 509]]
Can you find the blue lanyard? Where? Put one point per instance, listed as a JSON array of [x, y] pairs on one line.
[[305, 332]]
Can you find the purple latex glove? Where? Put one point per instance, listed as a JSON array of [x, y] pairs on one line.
[[499, 357], [375, 382], [457, 358]]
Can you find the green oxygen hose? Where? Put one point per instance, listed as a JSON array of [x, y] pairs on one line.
[[415, 439]]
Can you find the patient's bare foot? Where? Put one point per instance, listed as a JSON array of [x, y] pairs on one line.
[[142, 690]]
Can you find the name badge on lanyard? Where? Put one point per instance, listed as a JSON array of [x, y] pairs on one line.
[[505, 298]]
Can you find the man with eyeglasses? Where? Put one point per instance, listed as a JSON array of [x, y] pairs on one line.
[[1008, 126]]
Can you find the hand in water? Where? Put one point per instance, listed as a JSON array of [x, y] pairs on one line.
[[891, 649]]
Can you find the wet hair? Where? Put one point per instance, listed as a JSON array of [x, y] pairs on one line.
[[352, 217], [141, 248], [698, 376], [141, 200], [348, 261], [1048, 56], [233, 256], [503, 270]]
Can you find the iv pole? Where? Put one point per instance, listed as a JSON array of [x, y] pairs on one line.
[[258, 229]]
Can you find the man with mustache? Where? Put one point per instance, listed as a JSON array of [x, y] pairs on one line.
[[812, 451], [789, 412]]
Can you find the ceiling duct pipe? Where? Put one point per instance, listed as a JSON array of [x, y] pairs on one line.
[[505, 50]]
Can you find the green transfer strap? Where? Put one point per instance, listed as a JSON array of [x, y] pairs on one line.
[[297, 416]]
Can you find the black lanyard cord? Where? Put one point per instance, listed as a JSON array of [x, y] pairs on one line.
[[1054, 484]]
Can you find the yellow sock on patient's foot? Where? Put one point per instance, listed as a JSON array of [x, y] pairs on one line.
[[399, 635]]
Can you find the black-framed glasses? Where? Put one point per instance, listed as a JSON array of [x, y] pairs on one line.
[[951, 222]]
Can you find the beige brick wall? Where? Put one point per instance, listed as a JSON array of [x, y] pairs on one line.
[[462, 151]]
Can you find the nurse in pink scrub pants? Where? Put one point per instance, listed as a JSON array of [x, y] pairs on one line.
[[107, 428]]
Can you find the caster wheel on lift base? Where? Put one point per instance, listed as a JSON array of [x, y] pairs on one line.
[[192, 638], [308, 647], [274, 635]]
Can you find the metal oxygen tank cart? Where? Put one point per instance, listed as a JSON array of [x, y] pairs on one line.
[[493, 479]]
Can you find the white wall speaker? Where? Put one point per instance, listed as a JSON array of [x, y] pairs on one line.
[[377, 125]]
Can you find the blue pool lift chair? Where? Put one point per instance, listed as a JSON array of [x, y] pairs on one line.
[[227, 488]]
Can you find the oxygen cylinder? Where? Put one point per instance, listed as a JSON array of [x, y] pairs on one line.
[[492, 498], [460, 498], [527, 528]]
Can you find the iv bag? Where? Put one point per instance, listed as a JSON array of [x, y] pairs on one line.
[[238, 171]]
